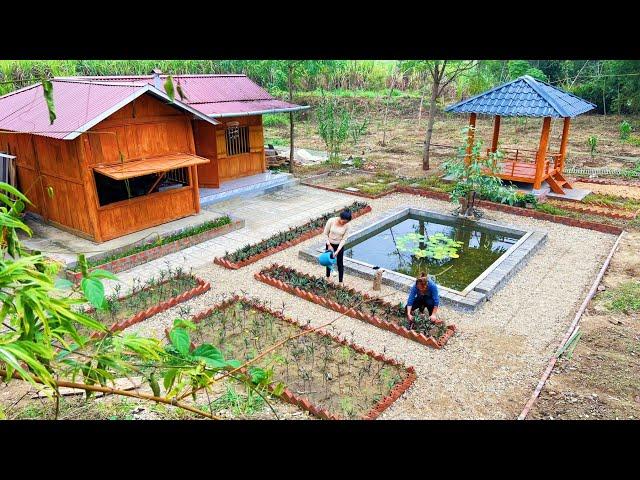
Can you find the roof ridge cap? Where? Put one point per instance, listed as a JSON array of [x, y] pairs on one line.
[[462, 102], [533, 83]]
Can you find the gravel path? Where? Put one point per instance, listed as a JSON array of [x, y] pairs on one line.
[[489, 368]]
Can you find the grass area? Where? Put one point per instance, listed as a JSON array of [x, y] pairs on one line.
[[382, 182], [77, 408], [188, 232], [552, 209], [612, 201], [144, 295], [237, 403], [624, 298]]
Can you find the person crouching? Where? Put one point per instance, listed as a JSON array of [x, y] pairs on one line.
[[423, 294]]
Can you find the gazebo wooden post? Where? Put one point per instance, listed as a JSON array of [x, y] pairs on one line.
[[563, 144], [496, 133], [472, 129], [542, 152]]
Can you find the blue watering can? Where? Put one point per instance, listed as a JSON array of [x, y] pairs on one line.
[[326, 260]]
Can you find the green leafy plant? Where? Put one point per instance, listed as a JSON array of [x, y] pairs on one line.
[[47, 341], [437, 246], [334, 124], [592, 141], [475, 176], [625, 130]]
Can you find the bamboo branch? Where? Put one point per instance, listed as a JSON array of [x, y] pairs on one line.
[[115, 391]]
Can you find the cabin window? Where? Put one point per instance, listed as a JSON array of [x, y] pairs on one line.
[[8, 169], [111, 191], [237, 139]]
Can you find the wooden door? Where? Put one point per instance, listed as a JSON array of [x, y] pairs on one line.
[[204, 136]]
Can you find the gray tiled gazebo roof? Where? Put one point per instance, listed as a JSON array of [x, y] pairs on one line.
[[524, 97]]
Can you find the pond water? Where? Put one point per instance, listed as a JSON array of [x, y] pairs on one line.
[[480, 248]]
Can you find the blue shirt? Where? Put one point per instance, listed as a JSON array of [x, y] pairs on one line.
[[431, 287]]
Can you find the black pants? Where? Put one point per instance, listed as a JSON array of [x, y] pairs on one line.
[[420, 304], [340, 262]]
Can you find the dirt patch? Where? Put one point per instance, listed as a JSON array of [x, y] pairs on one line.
[[629, 191], [404, 133], [601, 380]]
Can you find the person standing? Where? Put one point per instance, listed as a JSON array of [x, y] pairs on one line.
[[423, 294], [336, 230]]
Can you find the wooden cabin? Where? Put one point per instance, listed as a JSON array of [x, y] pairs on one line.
[[527, 97], [121, 156]]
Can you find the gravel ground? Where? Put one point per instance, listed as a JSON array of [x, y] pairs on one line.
[[490, 367]]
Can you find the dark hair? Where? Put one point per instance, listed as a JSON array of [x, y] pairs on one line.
[[422, 279], [346, 215]]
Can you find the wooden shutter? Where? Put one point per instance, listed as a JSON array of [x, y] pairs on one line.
[[256, 139], [256, 148], [221, 143]]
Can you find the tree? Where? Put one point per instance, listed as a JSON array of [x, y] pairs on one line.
[[291, 70], [442, 73], [476, 177]]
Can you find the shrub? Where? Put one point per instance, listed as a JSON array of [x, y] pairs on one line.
[[592, 141], [276, 120], [625, 130]]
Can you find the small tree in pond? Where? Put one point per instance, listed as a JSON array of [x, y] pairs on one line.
[[475, 177]]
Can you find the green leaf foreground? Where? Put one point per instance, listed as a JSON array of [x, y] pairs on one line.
[[47, 87], [169, 88], [46, 339]]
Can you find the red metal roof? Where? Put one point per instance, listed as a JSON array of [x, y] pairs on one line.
[[79, 105], [81, 102], [217, 94]]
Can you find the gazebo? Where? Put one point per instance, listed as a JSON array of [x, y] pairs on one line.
[[527, 97]]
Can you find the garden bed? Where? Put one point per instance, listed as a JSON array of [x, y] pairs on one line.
[[276, 243], [595, 209], [325, 375], [151, 298], [357, 305], [129, 257]]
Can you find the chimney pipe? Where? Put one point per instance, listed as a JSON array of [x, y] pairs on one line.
[[156, 78]]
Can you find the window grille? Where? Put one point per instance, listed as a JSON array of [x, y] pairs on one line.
[[237, 139]]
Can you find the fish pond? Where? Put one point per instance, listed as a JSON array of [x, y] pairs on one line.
[[455, 251]]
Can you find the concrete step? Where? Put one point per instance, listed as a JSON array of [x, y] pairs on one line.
[[275, 182]]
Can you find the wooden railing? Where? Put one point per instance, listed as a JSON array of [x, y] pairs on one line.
[[523, 155]]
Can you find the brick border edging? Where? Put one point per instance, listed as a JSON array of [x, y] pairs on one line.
[[223, 262], [130, 261], [525, 212], [357, 314], [302, 402], [201, 288]]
